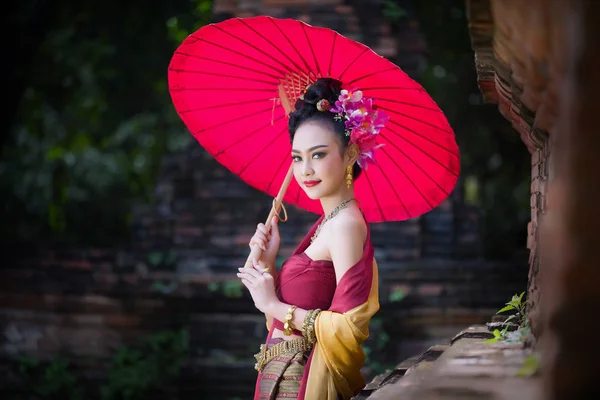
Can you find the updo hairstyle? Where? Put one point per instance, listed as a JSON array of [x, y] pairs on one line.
[[306, 111]]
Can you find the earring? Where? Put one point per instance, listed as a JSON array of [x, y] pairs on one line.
[[349, 176]]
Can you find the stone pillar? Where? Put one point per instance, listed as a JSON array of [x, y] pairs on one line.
[[512, 57], [570, 247]]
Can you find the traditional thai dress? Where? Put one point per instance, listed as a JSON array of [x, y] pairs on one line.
[[330, 370]]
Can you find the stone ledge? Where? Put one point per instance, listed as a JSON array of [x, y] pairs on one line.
[[468, 368]]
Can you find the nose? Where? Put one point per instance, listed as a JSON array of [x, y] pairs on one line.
[[307, 168]]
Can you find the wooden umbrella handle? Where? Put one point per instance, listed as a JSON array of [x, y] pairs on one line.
[[256, 251]]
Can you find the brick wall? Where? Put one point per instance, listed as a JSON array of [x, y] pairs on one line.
[[513, 71], [83, 305]]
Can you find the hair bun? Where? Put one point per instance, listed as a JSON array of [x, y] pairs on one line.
[[323, 88]]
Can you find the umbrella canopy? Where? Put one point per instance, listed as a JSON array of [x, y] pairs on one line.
[[233, 84]]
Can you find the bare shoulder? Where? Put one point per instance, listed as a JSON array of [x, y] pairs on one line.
[[349, 225], [347, 235]]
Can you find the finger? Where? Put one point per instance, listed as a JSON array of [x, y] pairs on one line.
[[261, 243], [262, 228], [261, 267], [246, 283], [275, 227], [246, 277], [260, 239], [260, 235], [252, 272]]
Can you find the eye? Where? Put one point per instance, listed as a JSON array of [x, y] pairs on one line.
[[296, 158], [318, 155]]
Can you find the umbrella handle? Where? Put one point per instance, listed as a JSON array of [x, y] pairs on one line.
[[256, 251]]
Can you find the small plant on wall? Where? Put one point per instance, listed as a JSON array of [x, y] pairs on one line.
[[516, 325], [514, 329]]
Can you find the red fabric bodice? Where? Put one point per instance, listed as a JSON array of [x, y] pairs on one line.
[[307, 283], [304, 282]]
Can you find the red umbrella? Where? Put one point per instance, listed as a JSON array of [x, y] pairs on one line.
[[233, 84]]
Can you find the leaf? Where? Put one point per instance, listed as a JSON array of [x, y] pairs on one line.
[[213, 286], [504, 309], [490, 341], [510, 318], [396, 295], [54, 153], [531, 366]]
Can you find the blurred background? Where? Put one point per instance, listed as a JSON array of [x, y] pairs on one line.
[[121, 235]]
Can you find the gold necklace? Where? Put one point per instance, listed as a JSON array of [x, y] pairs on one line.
[[332, 214]]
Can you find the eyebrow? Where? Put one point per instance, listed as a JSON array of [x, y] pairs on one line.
[[311, 149]]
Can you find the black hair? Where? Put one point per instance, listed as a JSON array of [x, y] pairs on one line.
[[306, 110]]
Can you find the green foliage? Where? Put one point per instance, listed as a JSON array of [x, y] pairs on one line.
[[519, 307], [519, 315], [374, 346], [499, 336], [396, 295], [53, 380], [495, 165], [392, 11], [166, 287], [162, 259], [231, 288], [151, 366], [531, 366], [95, 121], [136, 372]]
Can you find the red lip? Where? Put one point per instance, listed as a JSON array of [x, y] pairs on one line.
[[311, 183]]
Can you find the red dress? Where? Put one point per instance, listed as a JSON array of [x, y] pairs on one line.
[[348, 307]]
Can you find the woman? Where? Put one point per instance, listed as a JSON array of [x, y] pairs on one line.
[[319, 305]]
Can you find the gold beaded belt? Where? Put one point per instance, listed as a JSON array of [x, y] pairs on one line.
[[265, 355]]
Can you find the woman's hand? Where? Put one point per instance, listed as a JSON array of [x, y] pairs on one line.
[[268, 240], [260, 284]]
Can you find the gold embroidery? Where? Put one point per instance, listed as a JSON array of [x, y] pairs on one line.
[[265, 354]]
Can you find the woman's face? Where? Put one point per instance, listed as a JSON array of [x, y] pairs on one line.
[[319, 167]]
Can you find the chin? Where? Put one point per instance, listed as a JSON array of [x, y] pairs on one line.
[[312, 194], [316, 192]]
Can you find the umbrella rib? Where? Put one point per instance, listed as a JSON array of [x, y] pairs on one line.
[[223, 75], [375, 197], [228, 63], [422, 151], [421, 169], [239, 103], [421, 136], [218, 153], [234, 120], [352, 62], [407, 177], [335, 35], [415, 119], [256, 48], [373, 73], [286, 157], [311, 48], [243, 55], [258, 154], [393, 189], [291, 44], [272, 44]]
